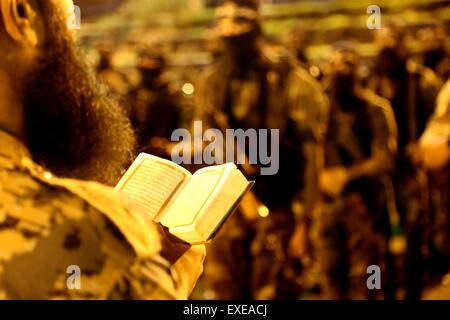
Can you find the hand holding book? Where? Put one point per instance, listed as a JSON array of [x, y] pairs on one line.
[[192, 207]]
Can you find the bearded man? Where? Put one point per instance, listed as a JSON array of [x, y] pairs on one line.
[[54, 118]]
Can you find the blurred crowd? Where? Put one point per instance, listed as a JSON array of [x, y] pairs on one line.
[[364, 156]]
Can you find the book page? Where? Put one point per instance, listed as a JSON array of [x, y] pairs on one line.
[[152, 182], [223, 199], [194, 197]]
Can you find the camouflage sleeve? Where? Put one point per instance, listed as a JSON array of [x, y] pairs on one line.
[[125, 275], [84, 258], [157, 279], [57, 244], [147, 275], [52, 244]]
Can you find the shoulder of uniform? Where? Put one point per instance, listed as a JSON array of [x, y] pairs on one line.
[[141, 234]]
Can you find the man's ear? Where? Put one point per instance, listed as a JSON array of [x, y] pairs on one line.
[[19, 19]]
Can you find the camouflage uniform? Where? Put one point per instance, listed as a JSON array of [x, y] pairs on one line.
[[48, 224], [349, 230], [273, 94]]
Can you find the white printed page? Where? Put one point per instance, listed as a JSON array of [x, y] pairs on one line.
[[194, 196], [152, 182]]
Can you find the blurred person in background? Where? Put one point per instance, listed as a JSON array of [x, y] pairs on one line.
[[395, 79], [155, 111], [295, 41], [435, 140], [108, 74], [253, 86], [434, 53], [55, 119], [435, 155], [116, 84], [352, 229], [412, 91]]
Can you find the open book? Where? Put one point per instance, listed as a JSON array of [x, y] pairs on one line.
[[192, 207]]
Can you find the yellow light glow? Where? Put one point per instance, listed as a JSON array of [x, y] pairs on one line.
[[314, 71], [263, 211], [188, 88]]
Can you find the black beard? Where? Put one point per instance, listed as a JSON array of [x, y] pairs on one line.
[[73, 128]]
